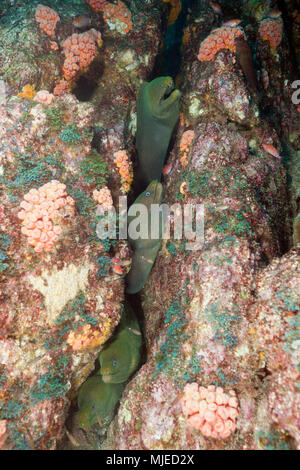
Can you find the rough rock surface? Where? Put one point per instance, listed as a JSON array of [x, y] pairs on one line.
[[218, 316], [58, 307]]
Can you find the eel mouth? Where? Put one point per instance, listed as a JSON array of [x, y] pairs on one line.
[[169, 96], [106, 379], [169, 88]]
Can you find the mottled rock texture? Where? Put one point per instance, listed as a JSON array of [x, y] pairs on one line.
[[58, 307], [226, 314]]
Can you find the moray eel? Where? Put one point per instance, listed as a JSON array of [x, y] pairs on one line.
[[121, 357], [144, 250], [97, 401], [296, 230], [158, 107]]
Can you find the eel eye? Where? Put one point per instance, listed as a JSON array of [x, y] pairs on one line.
[[115, 363], [93, 407], [147, 194]]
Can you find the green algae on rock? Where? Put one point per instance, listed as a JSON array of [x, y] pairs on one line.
[[121, 357], [158, 106]]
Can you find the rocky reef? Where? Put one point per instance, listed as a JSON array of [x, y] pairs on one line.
[[220, 317]]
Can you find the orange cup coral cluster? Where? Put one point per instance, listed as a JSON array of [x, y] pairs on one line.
[[61, 87], [220, 38], [185, 146], [271, 30], [39, 209], [47, 19], [97, 5], [125, 169], [103, 197], [80, 50], [118, 17], [210, 410], [84, 338]]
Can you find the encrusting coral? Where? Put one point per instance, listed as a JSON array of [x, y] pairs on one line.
[[61, 87], [103, 197], [124, 167], [28, 91], [210, 410], [220, 38], [87, 338], [47, 19], [40, 208], [43, 96], [271, 29], [116, 15], [185, 146], [80, 50], [97, 5]]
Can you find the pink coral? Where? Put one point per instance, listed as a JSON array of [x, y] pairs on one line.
[[220, 38], [3, 432], [97, 5], [43, 96], [87, 338], [210, 410], [84, 338], [80, 50], [40, 208], [103, 197], [53, 46], [124, 167], [47, 19], [61, 88], [118, 17], [271, 30], [185, 146]]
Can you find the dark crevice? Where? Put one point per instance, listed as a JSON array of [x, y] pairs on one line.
[[85, 89]]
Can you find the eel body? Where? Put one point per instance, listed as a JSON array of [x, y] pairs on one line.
[[296, 230], [144, 249]]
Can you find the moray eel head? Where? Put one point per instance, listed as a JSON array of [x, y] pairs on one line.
[[151, 195], [164, 99], [96, 401], [114, 363]]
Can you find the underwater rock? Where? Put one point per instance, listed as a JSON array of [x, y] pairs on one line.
[[275, 321], [198, 302], [60, 291]]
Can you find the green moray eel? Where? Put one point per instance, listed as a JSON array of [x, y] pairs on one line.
[[97, 401], [121, 357], [158, 107], [296, 230], [144, 249]]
